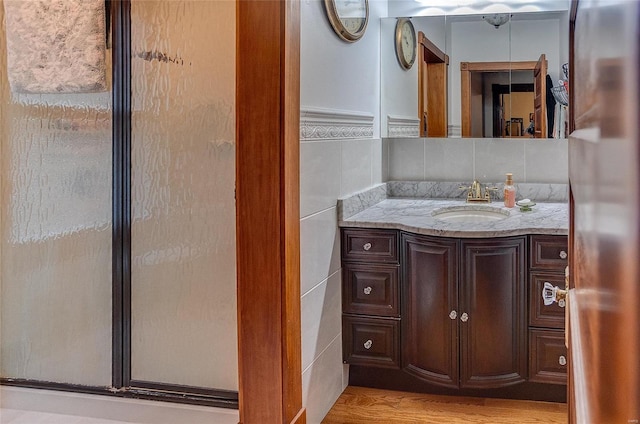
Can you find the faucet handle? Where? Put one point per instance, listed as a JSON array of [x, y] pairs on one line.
[[487, 193]]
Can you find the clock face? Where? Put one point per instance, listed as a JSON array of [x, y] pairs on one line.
[[353, 25], [408, 42], [405, 43], [348, 17]]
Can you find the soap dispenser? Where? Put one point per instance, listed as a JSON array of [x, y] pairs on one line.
[[509, 192]]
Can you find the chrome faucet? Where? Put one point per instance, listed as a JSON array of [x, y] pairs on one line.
[[475, 194]]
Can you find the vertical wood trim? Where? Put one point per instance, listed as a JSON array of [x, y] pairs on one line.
[[465, 83], [572, 60], [445, 95], [267, 209], [571, 389], [121, 227], [290, 183], [422, 85]]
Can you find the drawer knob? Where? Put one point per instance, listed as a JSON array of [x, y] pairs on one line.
[[464, 317], [367, 290], [562, 360], [367, 246], [453, 314], [563, 254], [368, 344]]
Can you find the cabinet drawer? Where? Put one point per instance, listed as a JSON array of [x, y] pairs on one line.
[[548, 252], [371, 341], [370, 245], [551, 316], [547, 357], [370, 290]]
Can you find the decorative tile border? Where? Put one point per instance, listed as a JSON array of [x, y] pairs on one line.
[[332, 124], [398, 126]]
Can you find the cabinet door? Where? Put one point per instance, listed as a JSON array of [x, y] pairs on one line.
[[429, 336], [493, 296]]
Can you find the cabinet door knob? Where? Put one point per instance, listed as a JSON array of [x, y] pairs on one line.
[[562, 360], [367, 290], [453, 314], [368, 344], [367, 246], [563, 254], [464, 317]]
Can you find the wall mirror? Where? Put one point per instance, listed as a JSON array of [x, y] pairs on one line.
[[490, 79]]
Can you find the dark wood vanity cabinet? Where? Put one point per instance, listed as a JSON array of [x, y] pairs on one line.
[[464, 314], [493, 294], [371, 298], [450, 315], [430, 328], [547, 350]]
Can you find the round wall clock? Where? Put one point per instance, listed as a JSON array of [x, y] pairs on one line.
[[406, 43], [348, 17]]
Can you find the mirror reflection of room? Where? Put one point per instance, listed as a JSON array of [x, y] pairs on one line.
[[502, 103]]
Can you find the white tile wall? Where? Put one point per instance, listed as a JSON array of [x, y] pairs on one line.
[[465, 159], [322, 382], [319, 248], [376, 161], [385, 159], [321, 317], [546, 162], [440, 154], [494, 158], [356, 166], [406, 159], [328, 170], [319, 175]]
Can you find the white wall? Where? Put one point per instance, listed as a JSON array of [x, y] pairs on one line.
[[338, 78]]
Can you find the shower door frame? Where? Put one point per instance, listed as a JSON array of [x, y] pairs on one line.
[[121, 257]]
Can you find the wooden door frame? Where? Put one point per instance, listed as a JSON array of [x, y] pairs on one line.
[[267, 211], [465, 83]]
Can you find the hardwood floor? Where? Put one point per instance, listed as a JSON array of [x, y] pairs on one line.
[[359, 405]]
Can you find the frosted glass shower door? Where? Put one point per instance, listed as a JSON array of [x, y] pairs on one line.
[[183, 278], [55, 234]]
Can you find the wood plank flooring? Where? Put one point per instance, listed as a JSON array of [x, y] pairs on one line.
[[359, 405]]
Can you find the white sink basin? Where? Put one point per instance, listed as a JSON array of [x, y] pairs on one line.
[[470, 213]]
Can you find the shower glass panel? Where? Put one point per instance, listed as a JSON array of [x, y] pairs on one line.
[[55, 234], [183, 272]]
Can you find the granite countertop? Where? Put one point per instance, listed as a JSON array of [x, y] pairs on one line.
[[415, 215]]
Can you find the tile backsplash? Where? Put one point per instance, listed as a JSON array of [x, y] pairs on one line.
[[485, 159]]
